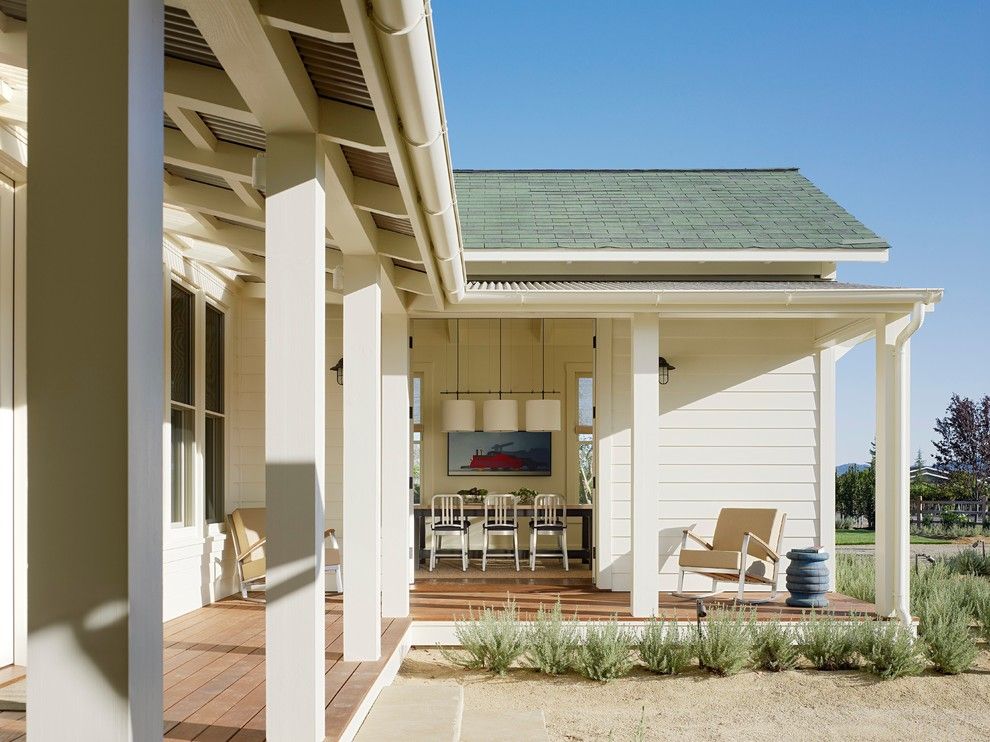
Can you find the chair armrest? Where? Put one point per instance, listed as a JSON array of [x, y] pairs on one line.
[[774, 557], [689, 534], [254, 547]]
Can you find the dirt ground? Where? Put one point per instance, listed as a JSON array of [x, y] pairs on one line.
[[802, 704]]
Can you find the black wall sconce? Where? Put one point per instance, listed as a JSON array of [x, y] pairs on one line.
[[665, 369], [339, 368]]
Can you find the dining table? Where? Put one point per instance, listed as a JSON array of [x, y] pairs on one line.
[[472, 511]]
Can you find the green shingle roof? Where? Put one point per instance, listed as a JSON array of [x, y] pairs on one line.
[[778, 208]]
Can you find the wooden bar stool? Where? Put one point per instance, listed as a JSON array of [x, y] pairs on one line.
[[549, 517], [500, 518]]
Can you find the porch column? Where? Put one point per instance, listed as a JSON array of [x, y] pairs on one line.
[[645, 440], [95, 395], [396, 492], [893, 396], [295, 375], [362, 457]]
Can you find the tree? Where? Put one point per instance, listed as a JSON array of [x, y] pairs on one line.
[[855, 490], [963, 448]]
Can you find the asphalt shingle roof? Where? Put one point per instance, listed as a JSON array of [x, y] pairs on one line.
[[778, 208]]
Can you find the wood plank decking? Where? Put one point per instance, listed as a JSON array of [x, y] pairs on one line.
[[214, 657], [214, 663], [446, 601]]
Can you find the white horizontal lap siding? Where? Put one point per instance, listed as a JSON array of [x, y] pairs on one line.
[[247, 465], [738, 428]]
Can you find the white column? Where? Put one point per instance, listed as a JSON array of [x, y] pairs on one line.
[[826, 455], [7, 426], [604, 437], [892, 479], [362, 458], [645, 440], [295, 375], [95, 364], [396, 492]]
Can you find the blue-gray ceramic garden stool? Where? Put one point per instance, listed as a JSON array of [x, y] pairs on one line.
[[807, 578]]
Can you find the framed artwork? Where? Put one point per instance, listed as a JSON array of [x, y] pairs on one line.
[[498, 454]]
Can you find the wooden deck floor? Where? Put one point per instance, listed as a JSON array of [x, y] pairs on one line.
[[446, 601], [215, 656], [215, 674]]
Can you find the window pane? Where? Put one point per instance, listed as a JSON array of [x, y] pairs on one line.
[[417, 466], [214, 359], [585, 400], [417, 400], [183, 313], [182, 464], [586, 461], [214, 469]]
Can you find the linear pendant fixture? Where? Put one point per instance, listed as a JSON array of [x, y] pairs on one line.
[[458, 414], [543, 414], [500, 415]]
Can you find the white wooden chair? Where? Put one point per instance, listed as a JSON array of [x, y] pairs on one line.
[[500, 518], [447, 518], [550, 518], [246, 527], [740, 552]]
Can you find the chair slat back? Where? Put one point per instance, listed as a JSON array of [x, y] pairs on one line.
[[500, 510], [447, 510], [548, 510]]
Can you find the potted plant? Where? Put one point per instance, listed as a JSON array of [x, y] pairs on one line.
[[473, 495], [525, 496]]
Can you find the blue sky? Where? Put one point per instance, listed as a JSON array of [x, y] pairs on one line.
[[884, 105]]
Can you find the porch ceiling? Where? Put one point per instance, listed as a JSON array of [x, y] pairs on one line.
[[215, 100]]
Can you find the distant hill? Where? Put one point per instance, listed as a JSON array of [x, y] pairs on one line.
[[843, 468]]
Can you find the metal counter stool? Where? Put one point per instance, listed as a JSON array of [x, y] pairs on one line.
[[549, 517], [448, 520], [500, 518]]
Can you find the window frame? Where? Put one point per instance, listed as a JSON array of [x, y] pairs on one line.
[[196, 527], [576, 371]]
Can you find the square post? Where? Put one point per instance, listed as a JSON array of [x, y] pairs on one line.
[[644, 597], [892, 464], [95, 350], [362, 458], [295, 378], [396, 490]]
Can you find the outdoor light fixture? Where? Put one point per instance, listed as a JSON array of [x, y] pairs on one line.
[[339, 368], [457, 414], [543, 414], [665, 369]]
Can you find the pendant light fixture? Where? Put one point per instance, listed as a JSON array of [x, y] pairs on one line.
[[458, 414], [500, 415], [543, 414]]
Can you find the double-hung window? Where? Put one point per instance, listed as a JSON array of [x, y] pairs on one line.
[[183, 405], [197, 408]]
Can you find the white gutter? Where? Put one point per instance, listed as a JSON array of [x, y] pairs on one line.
[[405, 35], [899, 463], [787, 297]]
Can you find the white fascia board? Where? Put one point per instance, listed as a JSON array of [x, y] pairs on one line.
[[668, 255]]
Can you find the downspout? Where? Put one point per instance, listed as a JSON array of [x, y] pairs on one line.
[[902, 592], [405, 35]]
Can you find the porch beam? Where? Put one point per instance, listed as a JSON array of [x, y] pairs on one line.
[[362, 456], [95, 423], [186, 223], [396, 489], [189, 194], [232, 161], [323, 20], [295, 374], [644, 596]]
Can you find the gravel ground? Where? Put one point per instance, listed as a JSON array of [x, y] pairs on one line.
[[802, 704]]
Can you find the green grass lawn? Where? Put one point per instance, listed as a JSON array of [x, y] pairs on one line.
[[857, 537]]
